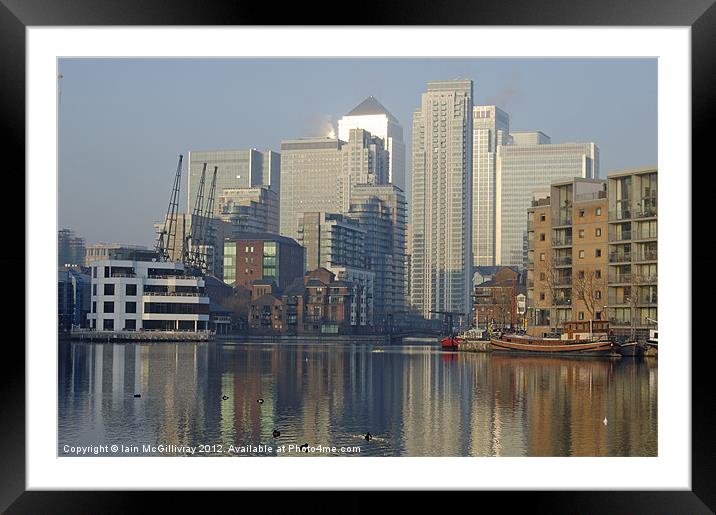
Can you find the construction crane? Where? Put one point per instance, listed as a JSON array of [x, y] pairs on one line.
[[195, 257], [207, 235], [167, 237], [447, 324]]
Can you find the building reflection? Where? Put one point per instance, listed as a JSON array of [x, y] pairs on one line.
[[416, 401]]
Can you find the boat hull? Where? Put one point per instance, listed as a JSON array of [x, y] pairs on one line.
[[449, 343], [630, 350], [602, 348]]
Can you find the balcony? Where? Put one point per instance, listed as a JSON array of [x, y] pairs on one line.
[[564, 241], [646, 255], [623, 213], [646, 278], [562, 282], [563, 261], [564, 218], [620, 236], [646, 208], [620, 278], [620, 257], [563, 301]]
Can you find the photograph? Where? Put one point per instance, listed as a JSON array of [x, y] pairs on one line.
[[416, 257]]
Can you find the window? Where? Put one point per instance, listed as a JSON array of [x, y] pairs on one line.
[[598, 315], [109, 307], [106, 271], [94, 289], [541, 296], [598, 253], [581, 233], [581, 254], [599, 211], [131, 290], [541, 236], [598, 274], [541, 256], [94, 306], [541, 276], [108, 324], [597, 232], [598, 294], [130, 325], [541, 218], [581, 315], [94, 272], [581, 213], [130, 307], [109, 289], [581, 274]]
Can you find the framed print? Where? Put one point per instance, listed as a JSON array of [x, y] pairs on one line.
[[292, 373]]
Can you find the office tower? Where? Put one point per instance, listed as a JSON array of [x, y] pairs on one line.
[[250, 209], [70, 249], [523, 168], [236, 169], [442, 198], [633, 242], [318, 173], [490, 129], [567, 255], [380, 211], [374, 118], [311, 180]]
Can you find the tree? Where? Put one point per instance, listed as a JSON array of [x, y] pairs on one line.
[[587, 287], [550, 282]]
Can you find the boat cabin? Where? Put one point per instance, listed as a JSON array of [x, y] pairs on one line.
[[582, 330]]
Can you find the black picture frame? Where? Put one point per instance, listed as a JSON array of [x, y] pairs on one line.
[[700, 15]]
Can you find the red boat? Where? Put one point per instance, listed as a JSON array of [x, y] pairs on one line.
[[449, 343]]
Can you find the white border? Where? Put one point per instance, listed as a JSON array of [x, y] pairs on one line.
[[671, 470]]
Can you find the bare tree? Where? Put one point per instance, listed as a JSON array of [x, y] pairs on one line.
[[550, 283], [588, 288]]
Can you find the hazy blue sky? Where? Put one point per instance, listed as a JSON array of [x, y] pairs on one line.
[[124, 122]]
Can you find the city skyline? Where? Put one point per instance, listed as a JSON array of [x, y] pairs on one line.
[[123, 122]]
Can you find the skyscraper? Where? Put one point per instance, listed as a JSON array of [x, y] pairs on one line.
[[491, 126], [372, 116], [236, 169], [70, 248], [442, 198], [532, 163]]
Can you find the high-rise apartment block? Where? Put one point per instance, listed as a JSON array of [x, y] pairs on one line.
[[442, 198], [235, 169], [331, 240], [491, 126], [633, 243], [373, 117], [530, 164], [567, 255], [250, 209]]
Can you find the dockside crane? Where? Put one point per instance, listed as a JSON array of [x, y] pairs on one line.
[[166, 241], [207, 227], [195, 258]]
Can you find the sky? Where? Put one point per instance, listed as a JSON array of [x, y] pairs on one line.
[[124, 122]]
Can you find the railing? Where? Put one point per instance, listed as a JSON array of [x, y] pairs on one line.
[[620, 278], [563, 261], [648, 255], [619, 257], [620, 214], [620, 236], [646, 212], [566, 301], [174, 294], [122, 274], [183, 276], [530, 225], [647, 278], [563, 281], [595, 195], [561, 242]]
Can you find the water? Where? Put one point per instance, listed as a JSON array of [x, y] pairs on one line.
[[414, 400]]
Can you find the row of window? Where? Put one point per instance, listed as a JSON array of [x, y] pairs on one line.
[[130, 290], [108, 307]]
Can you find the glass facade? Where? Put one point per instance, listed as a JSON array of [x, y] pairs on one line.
[[230, 262]]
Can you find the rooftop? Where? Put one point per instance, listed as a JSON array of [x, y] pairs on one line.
[[371, 106]]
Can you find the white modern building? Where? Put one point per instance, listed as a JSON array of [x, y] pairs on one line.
[[373, 117], [442, 199], [147, 295], [491, 127], [529, 164]]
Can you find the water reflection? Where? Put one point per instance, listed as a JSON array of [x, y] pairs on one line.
[[416, 400]]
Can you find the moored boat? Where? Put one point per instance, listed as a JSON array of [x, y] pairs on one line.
[[652, 344], [594, 346], [630, 349], [449, 343]]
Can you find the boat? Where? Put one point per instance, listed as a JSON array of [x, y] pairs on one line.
[[449, 343], [599, 345], [630, 349], [652, 344]]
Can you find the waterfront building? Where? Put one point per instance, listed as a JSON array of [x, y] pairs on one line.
[[633, 241], [495, 303], [381, 212], [254, 256], [247, 168], [120, 251], [73, 299], [132, 295], [331, 240], [490, 129], [442, 198], [372, 116], [531, 163], [250, 209], [70, 249], [567, 255]]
